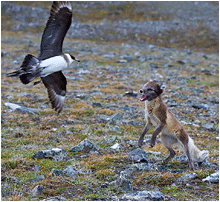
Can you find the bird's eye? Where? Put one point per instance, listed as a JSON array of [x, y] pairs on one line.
[[141, 91], [72, 57]]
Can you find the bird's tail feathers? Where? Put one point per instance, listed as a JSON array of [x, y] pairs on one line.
[[15, 73], [29, 62], [28, 72], [26, 78]]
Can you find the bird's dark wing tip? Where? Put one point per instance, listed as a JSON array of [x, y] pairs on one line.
[[56, 88], [57, 101], [57, 5]]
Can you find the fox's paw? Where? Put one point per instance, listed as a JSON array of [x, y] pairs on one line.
[[164, 162], [140, 144], [151, 145]]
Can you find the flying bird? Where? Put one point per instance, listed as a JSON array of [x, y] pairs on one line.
[[51, 60]]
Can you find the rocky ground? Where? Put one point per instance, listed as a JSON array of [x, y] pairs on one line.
[[89, 151]]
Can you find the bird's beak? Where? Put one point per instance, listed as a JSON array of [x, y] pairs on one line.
[[77, 60]]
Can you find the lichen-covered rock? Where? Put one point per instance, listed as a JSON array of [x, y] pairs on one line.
[[102, 118], [110, 140], [56, 198], [144, 196], [213, 178], [84, 146], [131, 94], [140, 167], [200, 106], [115, 117], [38, 178], [70, 172], [39, 189], [57, 172], [116, 146], [143, 166], [138, 155], [37, 167], [123, 182], [131, 122], [95, 97], [208, 126], [57, 154], [132, 143], [116, 129], [188, 177], [22, 109], [207, 164], [121, 61], [182, 158]]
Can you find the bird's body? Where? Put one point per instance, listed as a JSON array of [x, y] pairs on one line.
[[55, 64], [51, 60]]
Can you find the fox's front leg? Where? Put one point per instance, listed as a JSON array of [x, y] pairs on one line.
[[146, 129], [155, 134]]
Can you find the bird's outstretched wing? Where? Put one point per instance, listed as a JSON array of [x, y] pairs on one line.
[[56, 28], [56, 88]]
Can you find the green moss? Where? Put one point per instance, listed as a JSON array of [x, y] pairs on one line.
[[38, 132]]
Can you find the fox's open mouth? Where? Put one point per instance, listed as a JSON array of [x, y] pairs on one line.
[[143, 98]]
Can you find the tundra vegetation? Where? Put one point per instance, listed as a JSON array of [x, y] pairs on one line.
[[121, 46]]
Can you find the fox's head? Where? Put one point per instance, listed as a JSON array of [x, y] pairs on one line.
[[152, 90]]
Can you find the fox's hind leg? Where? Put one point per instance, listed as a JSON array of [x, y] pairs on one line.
[[168, 141], [184, 139]]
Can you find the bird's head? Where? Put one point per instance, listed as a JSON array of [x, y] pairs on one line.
[[71, 58], [74, 59]]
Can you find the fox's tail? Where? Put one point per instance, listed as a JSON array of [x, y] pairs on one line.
[[195, 153], [27, 72]]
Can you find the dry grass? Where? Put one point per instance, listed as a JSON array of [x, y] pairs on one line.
[[24, 134]]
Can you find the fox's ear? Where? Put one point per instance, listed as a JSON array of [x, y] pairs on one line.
[[163, 86]]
